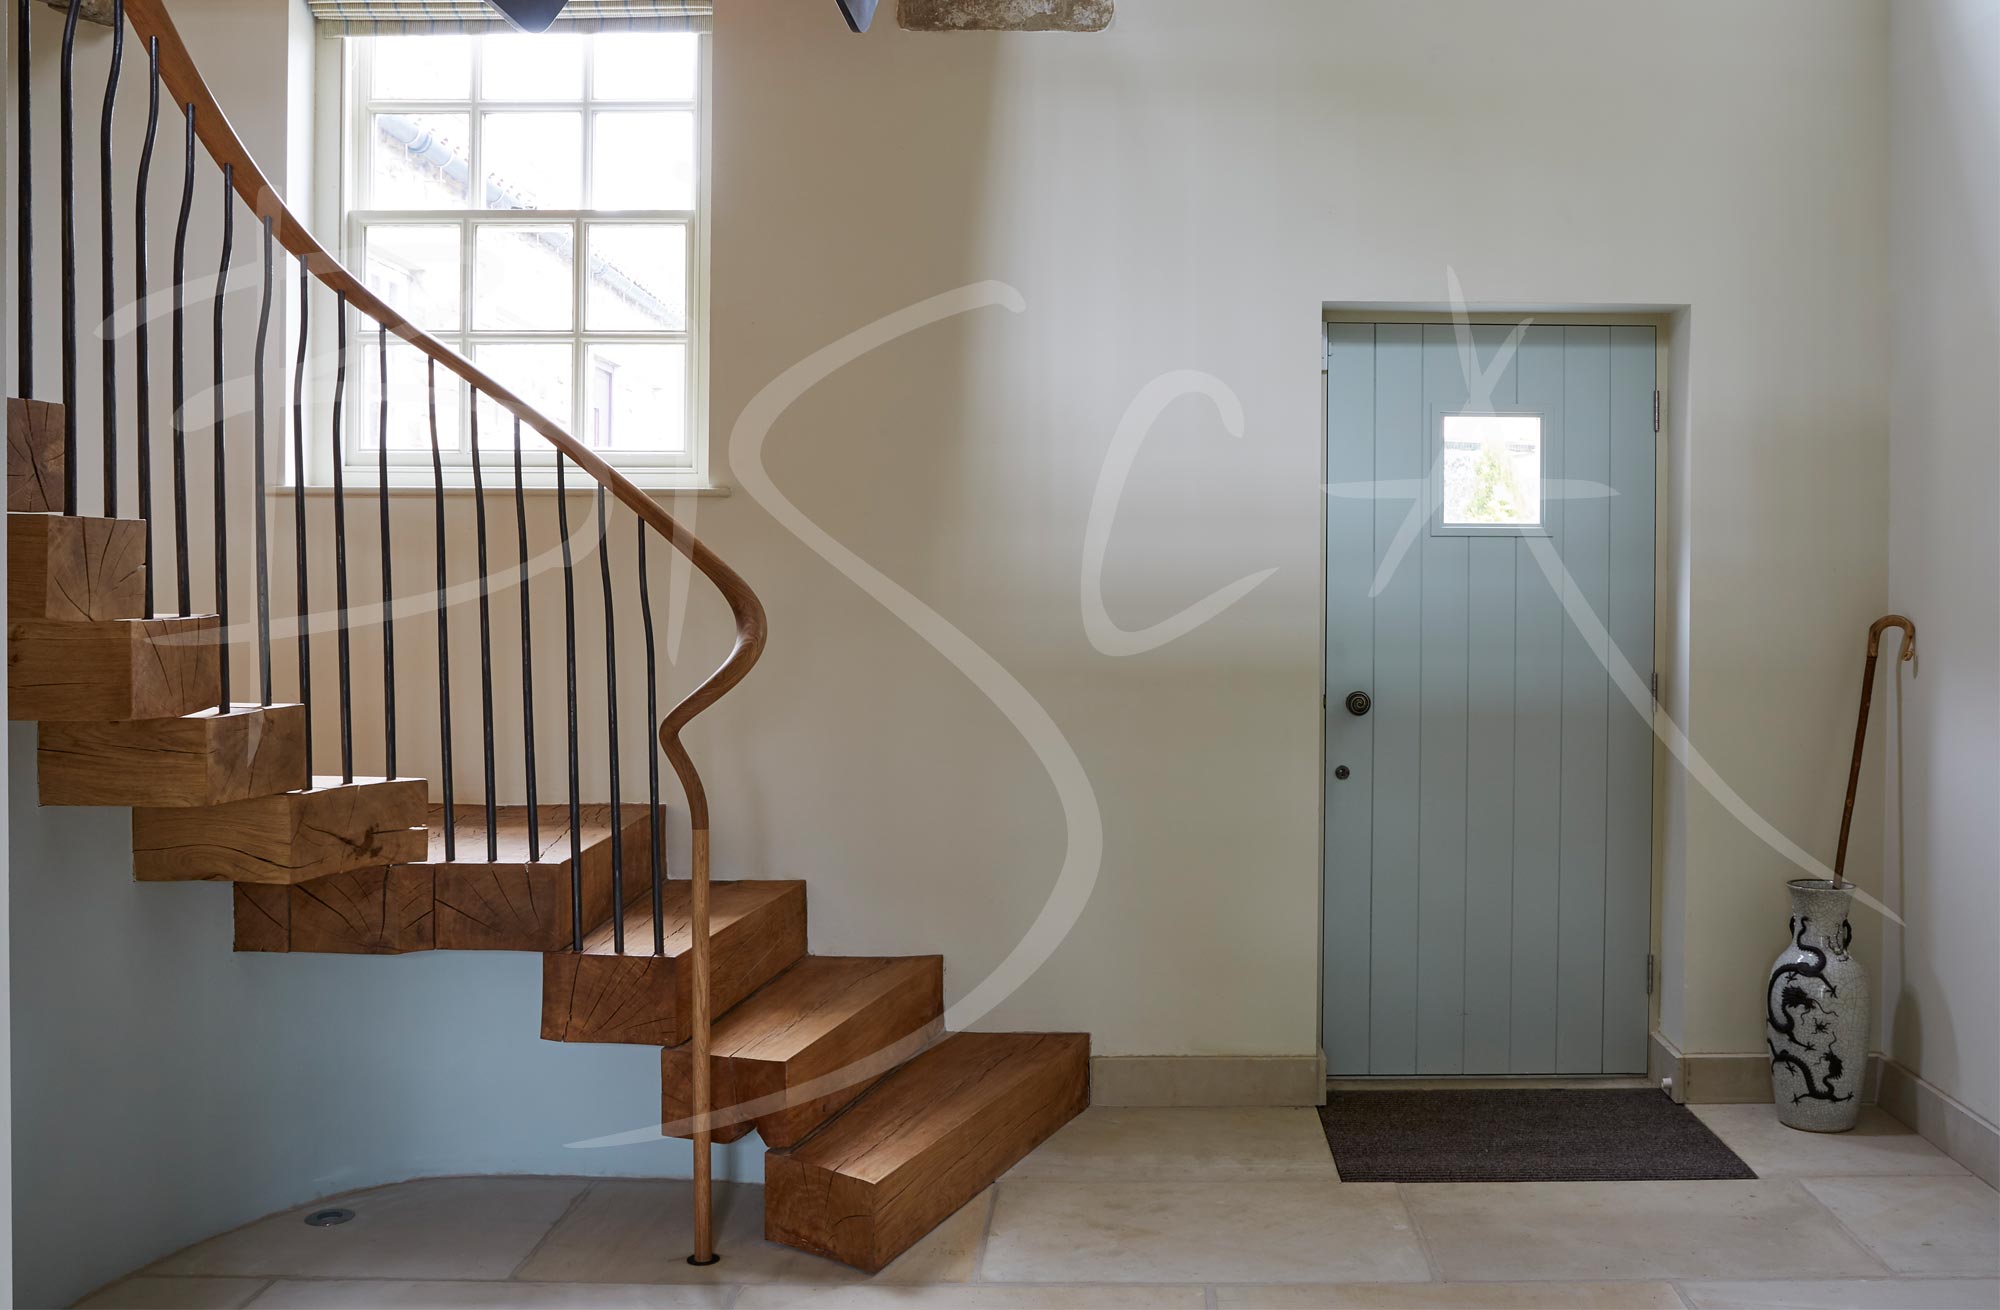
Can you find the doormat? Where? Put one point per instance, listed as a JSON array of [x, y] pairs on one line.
[[1529, 1135]]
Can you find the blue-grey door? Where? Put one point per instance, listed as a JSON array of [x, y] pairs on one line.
[[1489, 848]]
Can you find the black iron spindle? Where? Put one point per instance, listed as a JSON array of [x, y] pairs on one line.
[[342, 649], [444, 625], [142, 354], [611, 724], [303, 608], [485, 640], [528, 660], [259, 477], [67, 160], [575, 771], [657, 838], [24, 212], [221, 445], [108, 298], [179, 380], [388, 577]]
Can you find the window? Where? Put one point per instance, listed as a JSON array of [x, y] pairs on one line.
[[534, 202], [1491, 468]]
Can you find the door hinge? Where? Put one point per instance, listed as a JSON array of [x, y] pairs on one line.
[[1656, 411], [1649, 975], [1654, 683]]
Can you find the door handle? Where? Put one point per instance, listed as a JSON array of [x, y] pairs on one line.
[[1359, 703]]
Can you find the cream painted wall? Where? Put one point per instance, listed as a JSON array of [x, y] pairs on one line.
[[1943, 760], [1187, 191]]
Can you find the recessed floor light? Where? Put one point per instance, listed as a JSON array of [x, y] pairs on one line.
[[328, 1218]]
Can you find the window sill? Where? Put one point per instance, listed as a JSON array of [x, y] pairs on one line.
[[581, 485]]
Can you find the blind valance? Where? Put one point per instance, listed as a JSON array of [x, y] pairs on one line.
[[417, 17]]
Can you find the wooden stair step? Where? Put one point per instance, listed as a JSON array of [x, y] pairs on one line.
[[112, 669], [521, 900], [756, 931], [204, 758], [295, 836], [34, 456], [851, 1016], [75, 568], [379, 911], [923, 1142]]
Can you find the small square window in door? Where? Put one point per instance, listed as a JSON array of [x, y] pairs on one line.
[[1490, 467]]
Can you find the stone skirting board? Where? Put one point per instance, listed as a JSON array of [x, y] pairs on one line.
[[1158, 1080], [1727, 1078], [1958, 1131]]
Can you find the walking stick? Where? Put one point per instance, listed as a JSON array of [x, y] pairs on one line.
[[1909, 654]]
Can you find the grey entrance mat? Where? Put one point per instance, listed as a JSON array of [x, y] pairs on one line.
[[1531, 1135]]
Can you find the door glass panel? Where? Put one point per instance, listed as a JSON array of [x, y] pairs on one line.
[[1492, 470]]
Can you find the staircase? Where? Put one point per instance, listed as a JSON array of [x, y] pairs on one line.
[[879, 1124]]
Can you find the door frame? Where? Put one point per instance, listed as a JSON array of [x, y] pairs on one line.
[[1669, 323]]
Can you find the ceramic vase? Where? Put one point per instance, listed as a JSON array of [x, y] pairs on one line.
[[1816, 1014]]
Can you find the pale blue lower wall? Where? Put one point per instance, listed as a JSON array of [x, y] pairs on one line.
[[166, 1088]]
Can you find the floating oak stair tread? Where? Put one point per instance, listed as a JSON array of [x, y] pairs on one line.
[[379, 911], [521, 900], [292, 837], [204, 758], [112, 669], [757, 930], [923, 1142], [34, 456], [75, 568], [852, 1016]]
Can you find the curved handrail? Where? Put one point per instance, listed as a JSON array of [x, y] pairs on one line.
[[149, 18]]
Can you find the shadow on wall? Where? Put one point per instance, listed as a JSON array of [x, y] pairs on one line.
[[166, 1089]]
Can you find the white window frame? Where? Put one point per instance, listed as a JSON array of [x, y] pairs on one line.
[[344, 123]]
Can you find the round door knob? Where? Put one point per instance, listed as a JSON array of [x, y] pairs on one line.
[[1359, 703], [1342, 772]]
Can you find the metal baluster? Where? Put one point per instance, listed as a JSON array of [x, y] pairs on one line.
[[388, 577], [24, 213], [485, 640], [141, 353], [575, 772], [444, 625], [108, 297], [303, 608], [611, 716], [341, 646], [658, 837], [180, 376], [67, 160], [221, 444], [528, 663], [259, 477]]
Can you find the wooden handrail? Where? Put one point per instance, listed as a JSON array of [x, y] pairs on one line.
[[150, 20]]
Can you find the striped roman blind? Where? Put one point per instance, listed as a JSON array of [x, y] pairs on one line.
[[412, 17]]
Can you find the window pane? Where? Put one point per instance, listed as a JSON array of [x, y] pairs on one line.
[[1492, 470], [534, 161], [638, 278], [409, 397], [637, 397], [417, 269], [644, 161], [538, 67], [422, 67], [419, 161], [647, 65], [522, 278], [539, 374]]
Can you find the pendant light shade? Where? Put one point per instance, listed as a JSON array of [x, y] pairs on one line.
[[530, 15]]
